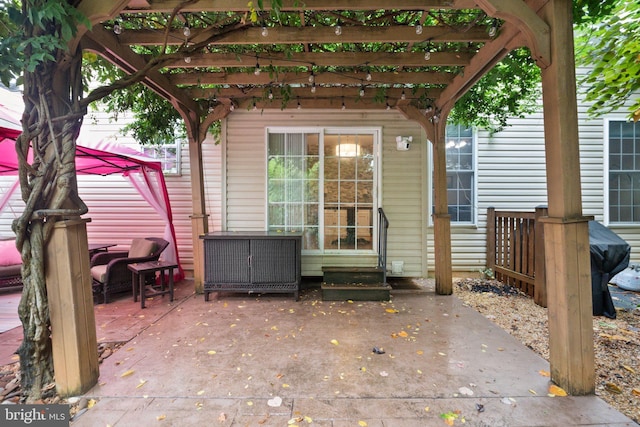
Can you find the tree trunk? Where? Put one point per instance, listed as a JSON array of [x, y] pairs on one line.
[[46, 151]]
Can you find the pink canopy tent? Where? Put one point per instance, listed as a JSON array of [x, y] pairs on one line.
[[144, 173]]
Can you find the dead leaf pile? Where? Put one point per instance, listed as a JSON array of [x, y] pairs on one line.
[[616, 341]]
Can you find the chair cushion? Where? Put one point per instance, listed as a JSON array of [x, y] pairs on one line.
[[9, 254], [141, 248], [99, 272]]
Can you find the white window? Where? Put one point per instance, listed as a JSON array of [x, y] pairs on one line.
[[168, 154], [461, 176], [624, 171], [323, 184]]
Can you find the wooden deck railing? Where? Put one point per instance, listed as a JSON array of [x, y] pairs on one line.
[[515, 250]]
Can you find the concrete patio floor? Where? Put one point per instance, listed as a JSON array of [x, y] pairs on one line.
[[267, 360]]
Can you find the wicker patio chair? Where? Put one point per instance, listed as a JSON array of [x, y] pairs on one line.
[[109, 269]]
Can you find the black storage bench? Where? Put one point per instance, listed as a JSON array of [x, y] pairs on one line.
[[253, 262]]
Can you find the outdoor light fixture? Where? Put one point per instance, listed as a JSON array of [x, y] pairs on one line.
[[427, 52], [270, 94], [493, 30], [403, 142], [313, 88], [265, 31], [403, 96], [255, 106], [368, 77], [117, 28], [187, 59], [299, 105], [232, 106], [257, 69], [186, 30], [361, 91], [312, 77], [338, 29], [418, 29], [388, 106]]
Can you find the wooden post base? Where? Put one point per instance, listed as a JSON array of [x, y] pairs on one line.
[[73, 324]]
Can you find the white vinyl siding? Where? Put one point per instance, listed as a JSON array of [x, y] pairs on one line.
[[402, 181]]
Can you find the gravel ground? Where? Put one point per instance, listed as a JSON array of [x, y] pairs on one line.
[[616, 341]]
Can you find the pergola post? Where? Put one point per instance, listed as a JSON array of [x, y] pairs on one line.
[[435, 127], [566, 231]]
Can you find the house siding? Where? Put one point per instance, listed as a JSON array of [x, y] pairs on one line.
[[402, 182]]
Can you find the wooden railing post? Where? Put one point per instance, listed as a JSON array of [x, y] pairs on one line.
[[540, 287], [491, 238]]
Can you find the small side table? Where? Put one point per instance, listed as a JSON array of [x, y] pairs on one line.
[[139, 272]]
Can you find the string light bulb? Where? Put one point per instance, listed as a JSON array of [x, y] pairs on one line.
[[344, 107], [270, 96], [427, 53], [368, 77], [232, 106], [186, 30], [257, 69], [312, 77], [493, 30], [403, 96], [299, 105], [361, 91], [265, 31], [338, 29], [117, 28], [255, 106], [419, 29], [187, 59], [313, 88]]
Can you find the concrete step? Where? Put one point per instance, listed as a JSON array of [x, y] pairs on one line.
[[356, 292], [356, 275]]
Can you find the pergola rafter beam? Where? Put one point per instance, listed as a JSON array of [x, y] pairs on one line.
[[322, 59], [166, 6], [252, 35], [326, 78]]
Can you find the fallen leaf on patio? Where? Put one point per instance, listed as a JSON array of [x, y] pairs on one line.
[[556, 391], [465, 391], [212, 352], [127, 373], [636, 391], [307, 420], [142, 382], [507, 400], [91, 403], [441, 353], [285, 386], [420, 352], [392, 310], [449, 418], [403, 334], [613, 388], [249, 403], [362, 423], [419, 371], [334, 342], [233, 325], [200, 393], [275, 402], [533, 392], [161, 417], [544, 373], [222, 417], [629, 368], [426, 409]]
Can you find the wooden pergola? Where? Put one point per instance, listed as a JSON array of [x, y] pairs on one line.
[[416, 56]]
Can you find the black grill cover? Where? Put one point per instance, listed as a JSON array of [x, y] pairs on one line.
[[609, 256]]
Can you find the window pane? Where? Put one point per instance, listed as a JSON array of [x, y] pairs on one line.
[[624, 172], [460, 164]]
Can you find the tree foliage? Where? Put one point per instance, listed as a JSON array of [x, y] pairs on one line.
[[611, 50]]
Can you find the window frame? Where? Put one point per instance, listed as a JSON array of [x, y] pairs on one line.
[[473, 222], [607, 173], [177, 145], [376, 132]]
